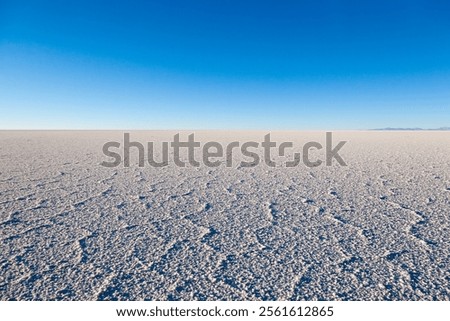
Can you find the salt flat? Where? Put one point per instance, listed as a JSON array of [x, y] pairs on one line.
[[376, 229]]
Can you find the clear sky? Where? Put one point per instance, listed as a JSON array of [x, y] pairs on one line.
[[224, 64]]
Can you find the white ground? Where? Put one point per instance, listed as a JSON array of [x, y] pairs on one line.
[[376, 229]]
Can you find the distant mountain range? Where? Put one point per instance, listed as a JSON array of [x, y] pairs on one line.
[[416, 128]]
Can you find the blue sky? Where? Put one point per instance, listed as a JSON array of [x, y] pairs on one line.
[[224, 64]]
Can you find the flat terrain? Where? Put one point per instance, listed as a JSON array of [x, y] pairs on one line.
[[377, 229]]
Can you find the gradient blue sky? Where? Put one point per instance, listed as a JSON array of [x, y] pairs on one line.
[[224, 64]]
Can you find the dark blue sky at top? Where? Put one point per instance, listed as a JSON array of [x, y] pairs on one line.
[[225, 64]]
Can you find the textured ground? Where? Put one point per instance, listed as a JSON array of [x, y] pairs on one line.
[[376, 229]]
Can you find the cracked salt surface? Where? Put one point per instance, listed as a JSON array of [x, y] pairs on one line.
[[377, 229]]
